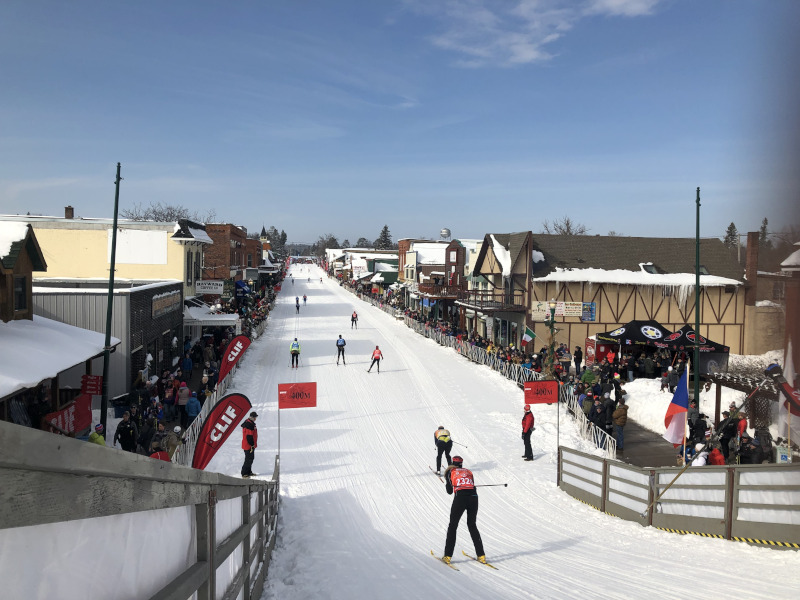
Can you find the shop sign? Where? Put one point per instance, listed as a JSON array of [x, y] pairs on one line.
[[163, 304], [589, 311], [208, 286], [92, 384]]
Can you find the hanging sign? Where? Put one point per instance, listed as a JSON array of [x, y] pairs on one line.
[[297, 395]]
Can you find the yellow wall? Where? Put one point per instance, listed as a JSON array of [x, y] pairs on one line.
[[83, 253]]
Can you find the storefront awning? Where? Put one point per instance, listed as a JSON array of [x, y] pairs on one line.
[[40, 349], [203, 316]]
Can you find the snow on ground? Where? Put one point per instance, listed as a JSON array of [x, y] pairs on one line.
[[361, 510]]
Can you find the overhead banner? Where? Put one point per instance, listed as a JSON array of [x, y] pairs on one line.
[[232, 354], [541, 392], [219, 425], [297, 395]]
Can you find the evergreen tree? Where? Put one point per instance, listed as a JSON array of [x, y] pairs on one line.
[[763, 240], [384, 241], [731, 239], [346, 243], [363, 243]]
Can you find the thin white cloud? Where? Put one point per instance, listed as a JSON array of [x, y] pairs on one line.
[[486, 33]]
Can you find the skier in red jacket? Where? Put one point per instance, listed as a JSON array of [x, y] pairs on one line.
[[527, 430], [377, 355]]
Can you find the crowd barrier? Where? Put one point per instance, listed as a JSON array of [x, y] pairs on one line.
[[160, 530], [751, 503]]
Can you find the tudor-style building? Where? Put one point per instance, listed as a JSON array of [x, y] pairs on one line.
[[498, 303]]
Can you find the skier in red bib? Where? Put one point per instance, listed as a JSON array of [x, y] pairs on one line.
[[460, 481], [354, 320], [376, 358]]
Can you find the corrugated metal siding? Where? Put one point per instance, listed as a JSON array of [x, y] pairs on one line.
[[88, 311]]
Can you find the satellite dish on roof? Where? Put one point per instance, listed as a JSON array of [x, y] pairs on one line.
[[445, 233]]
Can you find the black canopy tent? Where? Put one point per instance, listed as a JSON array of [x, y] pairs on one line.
[[713, 356], [637, 333]]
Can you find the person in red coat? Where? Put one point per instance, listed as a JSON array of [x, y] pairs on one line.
[[527, 430], [716, 457], [249, 443], [377, 355]]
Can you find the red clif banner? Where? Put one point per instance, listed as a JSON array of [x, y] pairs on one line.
[[541, 392], [74, 417], [297, 395], [92, 384], [219, 425], [232, 354], [588, 352]]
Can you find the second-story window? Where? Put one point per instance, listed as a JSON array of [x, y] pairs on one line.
[[189, 268]]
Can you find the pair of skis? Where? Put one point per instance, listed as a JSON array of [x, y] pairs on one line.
[[452, 566]]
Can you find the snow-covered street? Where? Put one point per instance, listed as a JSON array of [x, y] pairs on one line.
[[361, 510]]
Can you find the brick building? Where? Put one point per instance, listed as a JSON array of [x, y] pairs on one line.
[[225, 259]]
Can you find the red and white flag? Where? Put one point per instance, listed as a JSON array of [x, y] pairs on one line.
[[219, 425], [233, 353]]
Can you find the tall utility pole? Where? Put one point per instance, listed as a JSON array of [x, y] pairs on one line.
[[697, 306], [110, 307]]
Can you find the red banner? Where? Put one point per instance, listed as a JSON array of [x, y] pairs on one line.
[[219, 425], [297, 395], [92, 384], [588, 352], [74, 417], [232, 354], [541, 392]]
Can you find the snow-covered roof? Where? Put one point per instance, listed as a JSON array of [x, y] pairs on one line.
[[11, 232], [625, 277], [381, 266], [378, 278], [503, 256], [791, 263], [430, 253], [38, 349], [135, 287]]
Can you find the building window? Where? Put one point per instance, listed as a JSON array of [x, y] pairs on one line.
[[777, 291], [20, 292], [189, 267], [249, 260]]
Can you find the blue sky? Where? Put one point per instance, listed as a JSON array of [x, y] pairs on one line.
[[339, 117]]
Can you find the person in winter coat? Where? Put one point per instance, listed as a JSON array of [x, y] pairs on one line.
[[184, 393], [577, 356], [672, 379], [96, 437], [146, 435], [608, 408], [693, 413], [294, 352], [126, 433], [716, 457], [159, 438], [597, 415], [620, 418], [340, 344], [377, 355], [443, 443], [172, 441], [249, 443], [587, 401], [354, 320], [193, 408], [460, 481], [750, 452], [700, 456], [527, 430]]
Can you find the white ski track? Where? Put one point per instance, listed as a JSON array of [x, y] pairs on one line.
[[356, 504]]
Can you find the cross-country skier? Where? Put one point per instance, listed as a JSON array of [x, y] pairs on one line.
[[304, 299], [377, 355], [294, 350], [297, 304], [460, 481], [354, 320], [527, 430], [444, 444], [340, 344]]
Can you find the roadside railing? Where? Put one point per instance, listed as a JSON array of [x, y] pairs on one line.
[[195, 534], [757, 504]]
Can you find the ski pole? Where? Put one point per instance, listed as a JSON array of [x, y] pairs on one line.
[[437, 474], [714, 438], [492, 485], [462, 445]]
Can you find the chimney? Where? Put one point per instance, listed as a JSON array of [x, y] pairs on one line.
[[69, 212], [751, 268]]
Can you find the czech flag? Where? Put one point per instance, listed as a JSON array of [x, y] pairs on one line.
[[675, 419]]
